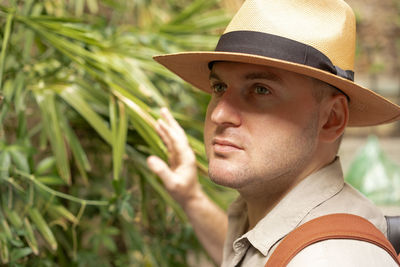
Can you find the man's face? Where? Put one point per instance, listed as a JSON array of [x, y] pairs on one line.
[[262, 123]]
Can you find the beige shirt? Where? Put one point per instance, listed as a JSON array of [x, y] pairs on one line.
[[323, 192]]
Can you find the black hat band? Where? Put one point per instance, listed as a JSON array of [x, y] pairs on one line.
[[273, 46]]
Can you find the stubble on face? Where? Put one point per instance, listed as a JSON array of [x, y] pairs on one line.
[[280, 162]]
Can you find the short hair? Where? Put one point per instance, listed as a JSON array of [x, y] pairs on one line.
[[322, 89]]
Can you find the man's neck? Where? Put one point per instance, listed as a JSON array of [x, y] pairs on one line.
[[259, 205], [263, 198], [258, 209]]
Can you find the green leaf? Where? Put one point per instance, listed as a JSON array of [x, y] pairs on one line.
[[8, 90], [29, 35], [164, 195], [93, 6], [30, 237], [142, 121], [79, 154], [45, 165], [43, 228], [5, 228], [6, 38], [194, 8], [5, 162], [50, 180], [20, 93], [13, 217], [20, 159], [4, 252], [51, 120], [119, 132], [126, 210], [20, 253], [76, 148], [69, 95], [62, 211], [79, 6]]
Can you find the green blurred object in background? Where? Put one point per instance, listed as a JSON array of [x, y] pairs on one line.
[[375, 175]]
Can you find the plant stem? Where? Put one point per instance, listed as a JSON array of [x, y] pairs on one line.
[[6, 38], [60, 194]]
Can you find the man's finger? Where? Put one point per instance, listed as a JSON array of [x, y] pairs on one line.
[[167, 135], [159, 167], [166, 114], [175, 139], [176, 136], [164, 133]]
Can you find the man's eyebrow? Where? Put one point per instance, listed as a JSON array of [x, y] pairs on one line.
[[252, 76], [214, 76], [263, 75]]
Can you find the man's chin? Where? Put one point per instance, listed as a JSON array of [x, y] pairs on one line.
[[231, 172], [227, 179]]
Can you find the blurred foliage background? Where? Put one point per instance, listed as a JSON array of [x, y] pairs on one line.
[[80, 95]]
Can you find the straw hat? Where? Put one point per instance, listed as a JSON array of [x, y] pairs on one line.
[[315, 38]]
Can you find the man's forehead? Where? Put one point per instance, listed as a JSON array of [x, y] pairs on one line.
[[246, 71]]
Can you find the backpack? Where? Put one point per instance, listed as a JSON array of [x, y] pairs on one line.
[[332, 226]]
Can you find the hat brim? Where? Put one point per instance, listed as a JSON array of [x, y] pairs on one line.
[[366, 108]]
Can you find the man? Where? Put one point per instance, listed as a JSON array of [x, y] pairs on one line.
[[282, 94]]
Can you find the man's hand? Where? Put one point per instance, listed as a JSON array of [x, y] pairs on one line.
[[180, 177]]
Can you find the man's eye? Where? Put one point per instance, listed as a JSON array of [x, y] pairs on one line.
[[261, 90], [218, 88]]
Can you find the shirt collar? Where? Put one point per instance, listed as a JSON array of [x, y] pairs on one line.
[[293, 208]]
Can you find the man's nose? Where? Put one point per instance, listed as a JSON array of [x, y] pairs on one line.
[[226, 110]]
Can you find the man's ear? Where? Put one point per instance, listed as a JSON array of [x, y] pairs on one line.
[[335, 118]]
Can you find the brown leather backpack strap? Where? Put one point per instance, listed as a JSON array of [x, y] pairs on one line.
[[332, 226]]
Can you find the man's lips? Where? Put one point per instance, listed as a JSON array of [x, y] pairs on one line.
[[224, 145]]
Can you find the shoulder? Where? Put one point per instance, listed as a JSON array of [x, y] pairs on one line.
[[344, 253], [349, 200]]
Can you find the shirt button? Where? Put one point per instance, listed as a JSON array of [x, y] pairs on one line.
[[239, 245]]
